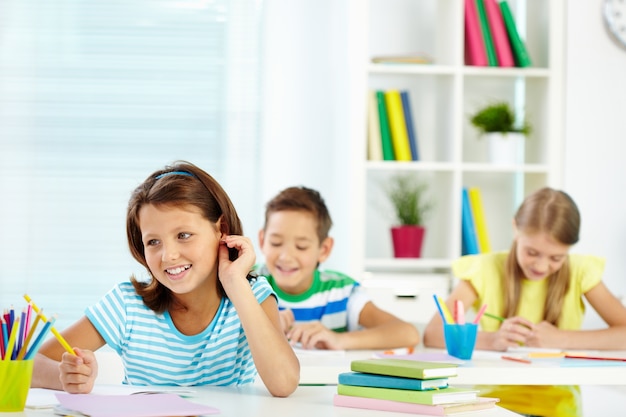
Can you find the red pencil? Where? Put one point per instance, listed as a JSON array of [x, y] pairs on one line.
[[515, 359]]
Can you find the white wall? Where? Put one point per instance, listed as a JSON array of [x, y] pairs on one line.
[[595, 161], [307, 65]]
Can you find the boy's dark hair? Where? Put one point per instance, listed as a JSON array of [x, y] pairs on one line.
[[302, 199], [181, 184]]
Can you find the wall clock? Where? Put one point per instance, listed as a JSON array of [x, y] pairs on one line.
[[614, 15]]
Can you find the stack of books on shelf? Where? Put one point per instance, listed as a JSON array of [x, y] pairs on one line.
[[406, 386], [491, 35], [391, 133], [474, 233]]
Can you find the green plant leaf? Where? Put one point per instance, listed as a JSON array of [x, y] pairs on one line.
[[408, 197]]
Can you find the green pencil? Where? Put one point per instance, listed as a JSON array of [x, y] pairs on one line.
[[493, 316]]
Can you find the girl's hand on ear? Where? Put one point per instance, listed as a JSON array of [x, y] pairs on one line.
[[239, 268]]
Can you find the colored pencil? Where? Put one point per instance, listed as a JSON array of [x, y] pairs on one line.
[[4, 337], [20, 335], [515, 359], [493, 316], [28, 338], [54, 331], [446, 311], [480, 313], [459, 312], [8, 355], [441, 313], [40, 338]]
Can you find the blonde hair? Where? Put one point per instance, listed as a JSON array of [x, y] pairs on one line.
[[555, 213]]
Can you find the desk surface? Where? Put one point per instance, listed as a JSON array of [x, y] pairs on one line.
[[485, 368], [307, 401]]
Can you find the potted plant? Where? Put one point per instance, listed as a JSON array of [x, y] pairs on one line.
[[408, 197], [505, 134]]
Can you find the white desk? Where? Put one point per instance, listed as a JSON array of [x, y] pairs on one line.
[[485, 368], [307, 401]]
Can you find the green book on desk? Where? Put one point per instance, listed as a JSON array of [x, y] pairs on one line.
[[442, 396], [405, 368]]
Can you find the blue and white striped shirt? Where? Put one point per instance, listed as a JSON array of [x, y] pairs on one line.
[[154, 352]]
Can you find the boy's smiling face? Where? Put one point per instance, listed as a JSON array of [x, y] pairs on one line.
[[292, 249]]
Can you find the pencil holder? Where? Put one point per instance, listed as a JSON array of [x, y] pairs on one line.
[[15, 376], [460, 339]]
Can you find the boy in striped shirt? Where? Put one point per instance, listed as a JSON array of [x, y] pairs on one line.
[[319, 308]]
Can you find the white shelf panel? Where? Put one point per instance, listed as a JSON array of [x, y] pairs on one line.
[[426, 69], [406, 264]]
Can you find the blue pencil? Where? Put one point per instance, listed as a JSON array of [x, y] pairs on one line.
[[39, 339], [443, 316], [20, 335]]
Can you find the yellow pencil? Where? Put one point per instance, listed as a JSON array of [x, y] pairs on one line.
[[54, 331], [446, 311], [11, 344]]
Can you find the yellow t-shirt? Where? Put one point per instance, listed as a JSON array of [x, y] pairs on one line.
[[485, 273]]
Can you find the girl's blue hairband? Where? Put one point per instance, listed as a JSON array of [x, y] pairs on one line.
[[165, 174]]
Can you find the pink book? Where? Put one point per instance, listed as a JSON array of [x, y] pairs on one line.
[[498, 32], [481, 403], [475, 53]]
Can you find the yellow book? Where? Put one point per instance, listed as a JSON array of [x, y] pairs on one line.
[[374, 141], [397, 124], [480, 223]]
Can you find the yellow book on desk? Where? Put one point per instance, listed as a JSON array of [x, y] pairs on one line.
[[405, 368], [397, 125], [433, 397], [480, 222]]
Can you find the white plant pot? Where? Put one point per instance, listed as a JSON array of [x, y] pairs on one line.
[[506, 148]]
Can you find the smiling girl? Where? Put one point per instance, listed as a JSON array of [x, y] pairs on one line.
[[200, 319]]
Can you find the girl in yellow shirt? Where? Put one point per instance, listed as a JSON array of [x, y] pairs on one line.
[[538, 286]]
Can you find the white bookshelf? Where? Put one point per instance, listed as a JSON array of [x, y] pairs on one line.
[[443, 94]]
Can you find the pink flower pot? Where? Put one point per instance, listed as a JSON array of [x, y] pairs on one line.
[[407, 241]]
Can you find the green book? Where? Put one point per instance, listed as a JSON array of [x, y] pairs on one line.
[[385, 131], [490, 48], [405, 368], [434, 397], [520, 53]]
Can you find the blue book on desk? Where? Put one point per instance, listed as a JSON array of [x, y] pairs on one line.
[[383, 381]]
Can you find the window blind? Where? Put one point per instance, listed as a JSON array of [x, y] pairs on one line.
[[96, 95]]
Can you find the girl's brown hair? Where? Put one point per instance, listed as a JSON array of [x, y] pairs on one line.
[[181, 184], [555, 213]]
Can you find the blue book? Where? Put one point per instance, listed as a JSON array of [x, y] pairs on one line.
[[383, 381], [468, 231], [410, 128]]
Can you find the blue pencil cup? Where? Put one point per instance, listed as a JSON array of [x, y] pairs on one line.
[[460, 339]]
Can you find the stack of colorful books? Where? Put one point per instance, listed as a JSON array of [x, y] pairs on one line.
[[406, 386]]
